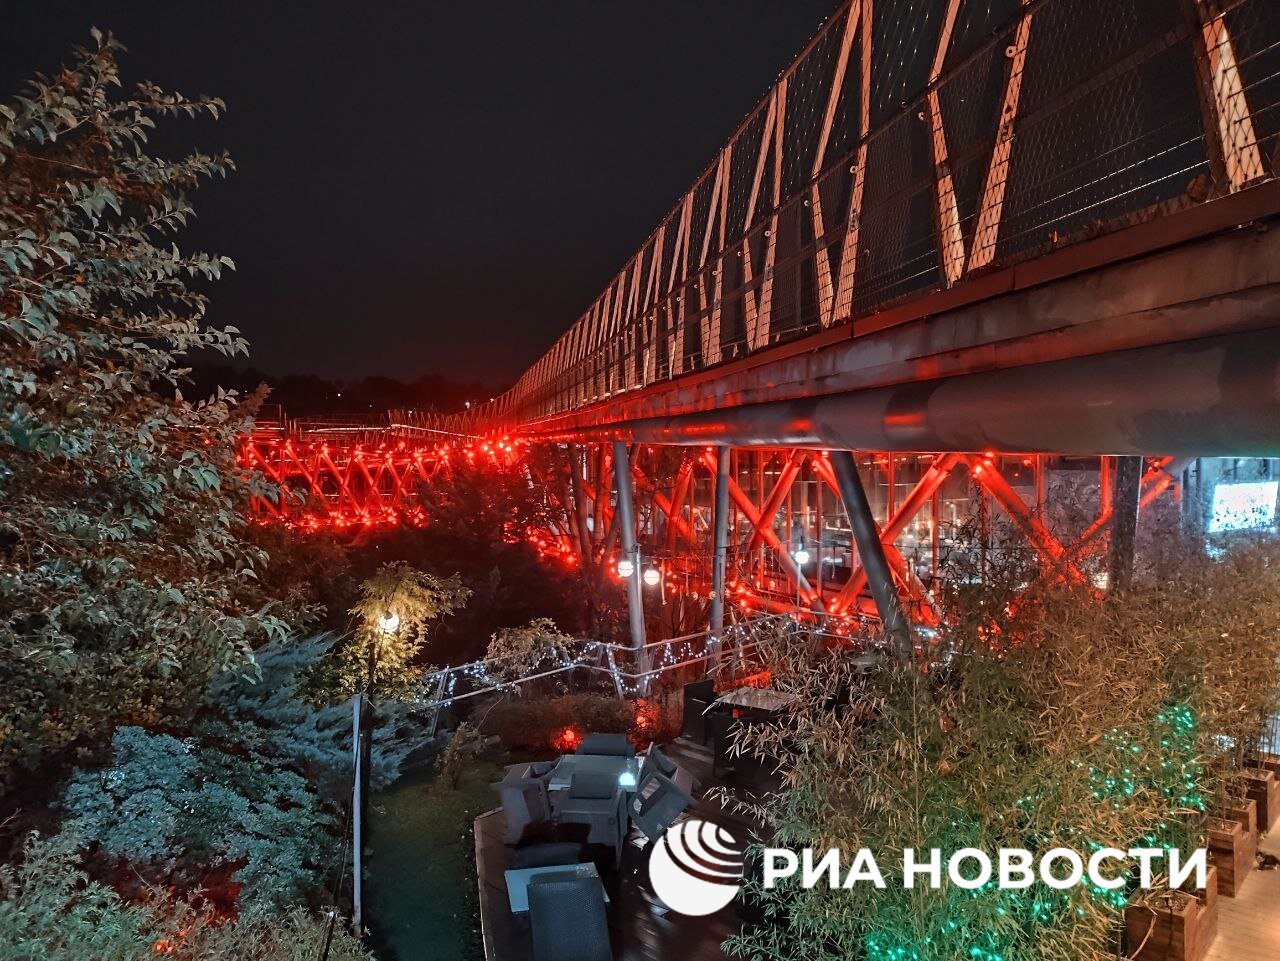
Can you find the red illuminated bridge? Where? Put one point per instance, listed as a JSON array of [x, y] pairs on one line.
[[1000, 266]]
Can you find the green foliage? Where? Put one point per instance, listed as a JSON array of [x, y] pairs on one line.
[[50, 910], [535, 723], [125, 581], [1065, 722], [465, 745], [273, 715], [478, 523], [411, 599], [175, 808], [516, 652]]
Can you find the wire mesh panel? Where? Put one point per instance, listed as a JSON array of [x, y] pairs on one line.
[[916, 143]]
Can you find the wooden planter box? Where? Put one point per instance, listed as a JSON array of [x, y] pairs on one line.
[[1268, 762], [1183, 932], [1263, 790], [1233, 845]]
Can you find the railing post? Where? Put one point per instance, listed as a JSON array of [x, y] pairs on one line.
[[866, 535], [720, 546], [626, 519]]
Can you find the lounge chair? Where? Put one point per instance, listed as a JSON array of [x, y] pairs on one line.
[[656, 760], [698, 696], [657, 803], [524, 800], [567, 918], [614, 745], [546, 855], [597, 801]]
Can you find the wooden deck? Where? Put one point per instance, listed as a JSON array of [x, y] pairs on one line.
[[1249, 924], [637, 930]]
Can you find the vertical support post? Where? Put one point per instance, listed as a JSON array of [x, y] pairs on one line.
[[1124, 525], [720, 546], [357, 819], [867, 536], [626, 518], [579, 504]]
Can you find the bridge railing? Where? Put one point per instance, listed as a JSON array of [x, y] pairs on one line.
[[743, 645], [914, 145]]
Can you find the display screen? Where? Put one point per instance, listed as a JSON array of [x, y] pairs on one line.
[[1241, 507]]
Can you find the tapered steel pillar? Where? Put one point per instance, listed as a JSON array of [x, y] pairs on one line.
[[1124, 523], [866, 534], [579, 504], [720, 546], [626, 520]]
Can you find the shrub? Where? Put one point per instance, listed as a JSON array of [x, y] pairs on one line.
[[176, 808], [464, 746], [50, 910], [535, 724]]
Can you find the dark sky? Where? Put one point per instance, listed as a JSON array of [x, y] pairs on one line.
[[433, 187]]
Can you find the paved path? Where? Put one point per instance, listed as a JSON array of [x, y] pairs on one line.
[[1249, 925]]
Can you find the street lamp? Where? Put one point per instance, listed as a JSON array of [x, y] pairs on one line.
[[651, 576], [801, 556], [389, 622], [626, 568]]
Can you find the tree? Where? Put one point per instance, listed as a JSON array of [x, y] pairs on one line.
[[281, 713], [396, 606], [516, 652], [482, 516], [125, 581]]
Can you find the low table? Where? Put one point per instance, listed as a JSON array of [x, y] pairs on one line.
[[756, 698], [615, 765], [518, 881]]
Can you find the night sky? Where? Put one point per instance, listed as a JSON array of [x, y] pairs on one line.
[[432, 187]]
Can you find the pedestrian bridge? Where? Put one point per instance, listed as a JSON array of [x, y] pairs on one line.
[[961, 225]]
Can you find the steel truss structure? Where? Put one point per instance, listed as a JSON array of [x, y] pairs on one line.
[[752, 531], [915, 146], [788, 540], [353, 473]]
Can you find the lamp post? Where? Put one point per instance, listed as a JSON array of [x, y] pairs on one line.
[[388, 625]]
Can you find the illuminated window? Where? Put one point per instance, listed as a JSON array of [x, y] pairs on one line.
[[1240, 507]]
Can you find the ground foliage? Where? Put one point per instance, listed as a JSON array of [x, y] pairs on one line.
[[125, 579], [51, 910], [1067, 719], [184, 812]]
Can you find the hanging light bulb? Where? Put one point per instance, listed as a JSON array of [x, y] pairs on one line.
[[626, 568], [801, 556], [389, 622], [651, 576]]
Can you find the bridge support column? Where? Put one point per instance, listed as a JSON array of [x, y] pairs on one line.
[[866, 535], [1124, 524], [720, 544], [626, 520]]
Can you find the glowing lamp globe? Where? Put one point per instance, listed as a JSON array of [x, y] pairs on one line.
[[626, 568], [651, 576], [802, 556], [389, 622]]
